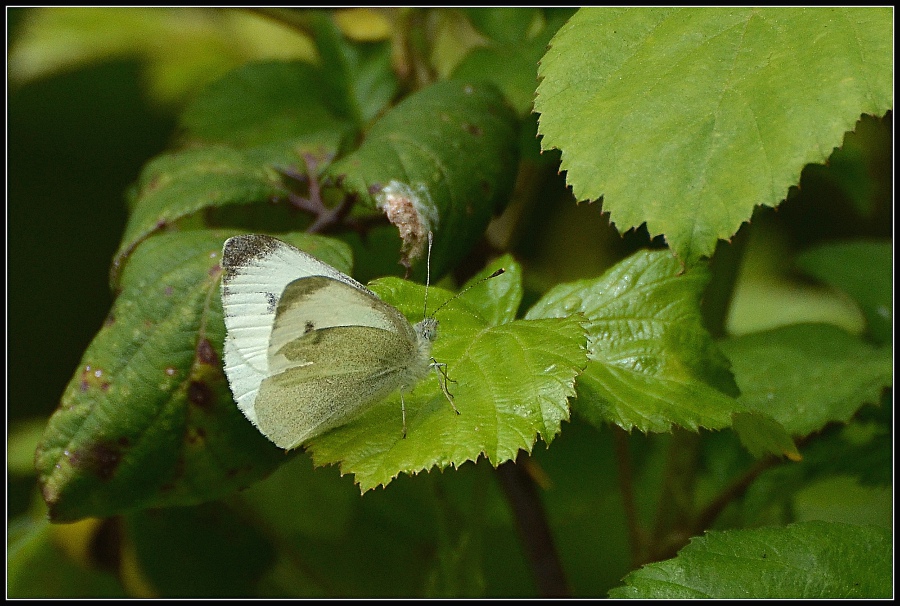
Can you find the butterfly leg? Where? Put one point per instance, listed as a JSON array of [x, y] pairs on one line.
[[403, 412], [442, 380]]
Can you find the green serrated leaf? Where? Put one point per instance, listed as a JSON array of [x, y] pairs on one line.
[[148, 419], [762, 435], [652, 363], [496, 299], [510, 383], [807, 375], [802, 561], [442, 160], [863, 269], [275, 102], [687, 118]]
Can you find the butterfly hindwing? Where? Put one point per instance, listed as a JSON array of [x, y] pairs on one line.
[[327, 377], [333, 350]]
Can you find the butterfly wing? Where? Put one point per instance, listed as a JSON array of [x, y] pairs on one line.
[[333, 350], [256, 270]]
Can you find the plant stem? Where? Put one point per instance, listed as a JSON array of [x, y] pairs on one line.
[[676, 497], [725, 266], [534, 531], [733, 491], [636, 536]]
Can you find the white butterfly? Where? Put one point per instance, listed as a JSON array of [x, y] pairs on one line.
[[307, 347]]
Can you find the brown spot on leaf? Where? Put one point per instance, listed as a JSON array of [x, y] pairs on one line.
[[472, 129], [195, 435], [375, 188], [206, 354], [199, 394], [110, 320], [101, 458], [92, 377]]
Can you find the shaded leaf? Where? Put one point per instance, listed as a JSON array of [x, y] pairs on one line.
[[179, 184], [510, 62], [652, 363], [252, 124], [356, 76], [264, 103], [204, 551], [863, 269], [180, 49], [807, 375], [510, 383], [148, 419], [22, 438], [762, 435], [504, 24], [442, 160], [687, 118], [37, 567], [802, 561]]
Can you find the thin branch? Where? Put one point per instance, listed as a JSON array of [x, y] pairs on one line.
[[325, 217], [636, 536], [733, 491], [534, 531]]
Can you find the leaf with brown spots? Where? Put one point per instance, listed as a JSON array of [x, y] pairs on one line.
[[147, 419]]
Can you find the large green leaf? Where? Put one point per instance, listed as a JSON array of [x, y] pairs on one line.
[[511, 381], [806, 375], [864, 269], [808, 560], [652, 363], [443, 160], [148, 419], [687, 118]]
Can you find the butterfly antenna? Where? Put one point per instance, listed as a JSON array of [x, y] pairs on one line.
[[427, 274], [499, 272]]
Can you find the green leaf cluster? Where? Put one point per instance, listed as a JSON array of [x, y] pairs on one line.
[[714, 451]]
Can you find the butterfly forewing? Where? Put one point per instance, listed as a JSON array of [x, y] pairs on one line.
[[310, 304]]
